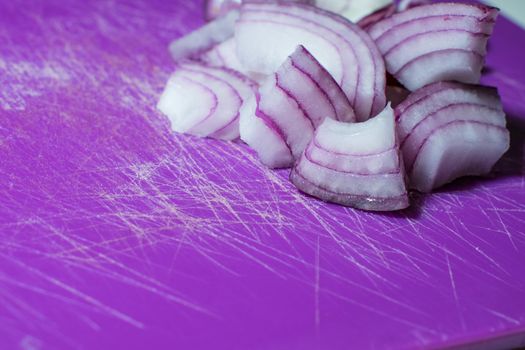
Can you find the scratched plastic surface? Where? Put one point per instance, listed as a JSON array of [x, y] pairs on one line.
[[116, 233]]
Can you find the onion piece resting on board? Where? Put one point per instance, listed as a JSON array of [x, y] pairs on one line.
[[357, 165]]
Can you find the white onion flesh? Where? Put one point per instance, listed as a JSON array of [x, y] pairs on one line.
[[458, 149], [343, 48], [454, 64], [205, 101], [319, 102], [352, 171], [225, 55], [292, 103]]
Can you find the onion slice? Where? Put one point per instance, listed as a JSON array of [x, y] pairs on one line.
[[435, 42], [377, 16], [205, 101], [192, 45], [267, 33], [292, 103], [357, 165], [449, 130]]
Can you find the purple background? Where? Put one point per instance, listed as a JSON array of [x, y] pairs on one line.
[[115, 233]]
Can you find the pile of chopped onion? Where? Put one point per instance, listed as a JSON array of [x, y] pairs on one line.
[[361, 112]]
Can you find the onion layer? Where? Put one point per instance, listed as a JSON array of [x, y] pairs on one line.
[[449, 130], [292, 103], [225, 55], [205, 101], [267, 33], [357, 165], [377, 16], [435, 42], [206, 37]]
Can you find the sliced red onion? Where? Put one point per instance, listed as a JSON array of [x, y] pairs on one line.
[[205, 101], [266, 33], [354, 10], [204, 38], [455, 64], [458, 149], [441, 129], [436, 42], [216, 8], [389, 40], [292, 103], [357, 165]]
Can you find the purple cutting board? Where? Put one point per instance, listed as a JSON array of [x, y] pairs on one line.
[[117, 234]]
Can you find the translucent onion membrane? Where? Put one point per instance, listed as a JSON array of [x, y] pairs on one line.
[[216, 8], [205, 101], [192, 45], [289, 106], [266, 33], [355, 164], [435, 42], [448, 130]]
